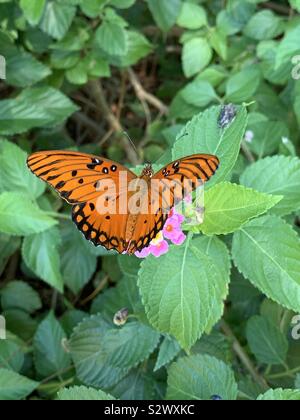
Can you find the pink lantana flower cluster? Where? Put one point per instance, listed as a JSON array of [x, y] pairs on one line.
[[171, 231]]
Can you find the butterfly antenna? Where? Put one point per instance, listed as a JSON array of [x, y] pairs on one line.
[[131, 142]]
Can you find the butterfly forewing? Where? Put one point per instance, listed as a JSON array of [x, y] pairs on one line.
[[76, 176]]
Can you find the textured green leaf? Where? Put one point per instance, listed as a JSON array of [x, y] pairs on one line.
[[33, 10], [267, 137], [164, 12], [11, 355], [243, 85], [203, 135], [288, 47], [273, 248], [8, 246], [280, 395], [266, 341], [124, 295], [196, 55], [264, 176], [112, 38], [182, 291], [138, 48], [57, 18], [199, 93], [49, 355], [19, 295], [229, 206], [34, 107], [77, 262], [192, 16], [14, 386], [40, 253], [168, 350], [199, 378], [264, 25], [14, 173], [82, 393], [20, 216], [103, 353], [24, 70]]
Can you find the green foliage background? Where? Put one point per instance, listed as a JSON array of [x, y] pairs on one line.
[[213, 316]]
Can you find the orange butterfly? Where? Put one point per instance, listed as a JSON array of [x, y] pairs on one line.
[[102, 214]]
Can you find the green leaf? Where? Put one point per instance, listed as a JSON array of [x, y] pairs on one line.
[[216, 345], [20, 323], [138, 48], [288, 47], [49, 354], [122, 4], [219, 43], [192, 16], [103, 353], [92, 8], [295, 4], [124, 295], [138, 386], [57, 18], [264, 25], [165, 12], [20, 216], [14, 386], [24, 70], [273, 248], [199, 378], [242, 86], [40, 253], [77, 261], [11, 355], [181, 292], [199, 93], [82, 393], [14, 173], [33, 10], [19, 295], [8, 246], [267, 137], [168, 350], [34, 107], [266, 341], [260, 176], [78, 75], [280, 395], [196, 55], [229, 206], [112, 38], [203, 135]]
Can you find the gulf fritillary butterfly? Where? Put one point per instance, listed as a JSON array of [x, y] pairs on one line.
[[77, 176]]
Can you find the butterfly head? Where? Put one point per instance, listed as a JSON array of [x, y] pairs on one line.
[[148, 171]]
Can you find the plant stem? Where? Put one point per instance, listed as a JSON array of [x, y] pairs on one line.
[[143, 95], [242, 355], [97, 93], [289, 373]]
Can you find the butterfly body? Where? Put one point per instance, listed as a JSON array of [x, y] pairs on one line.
[[112, 206]]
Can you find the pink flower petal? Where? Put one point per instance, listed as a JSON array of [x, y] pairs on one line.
[[144, 253], [160, 249], [179, 239]]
